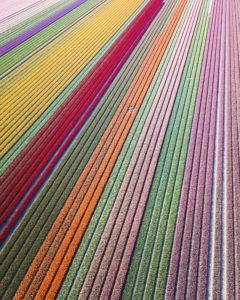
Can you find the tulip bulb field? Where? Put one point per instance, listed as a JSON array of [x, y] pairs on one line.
[[120, 149]]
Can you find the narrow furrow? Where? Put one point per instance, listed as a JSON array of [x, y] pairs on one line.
[[228, 206], [216, 242]]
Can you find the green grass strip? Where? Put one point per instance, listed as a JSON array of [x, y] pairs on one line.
[[144, 268]]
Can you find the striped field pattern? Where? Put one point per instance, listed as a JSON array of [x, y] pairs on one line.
[[120, 149]]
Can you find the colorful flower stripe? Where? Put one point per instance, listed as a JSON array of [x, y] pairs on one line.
[[120, 168]]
